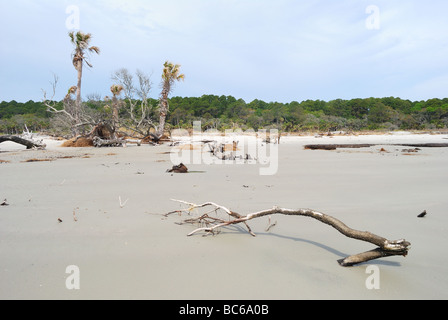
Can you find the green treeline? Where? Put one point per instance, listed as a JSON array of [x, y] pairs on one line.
[[225, 112], [15, 115], [355, 114]]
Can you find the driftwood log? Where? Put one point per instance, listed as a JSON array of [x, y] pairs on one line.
[[363, 145], [98, 142], [28, 143], [212, 224], [336, 146], [181, 168]]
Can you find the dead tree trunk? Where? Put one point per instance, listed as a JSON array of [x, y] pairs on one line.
[[364, 145], [98, 142], [28, 143], [336, 146], [210, 225], [103, 135]]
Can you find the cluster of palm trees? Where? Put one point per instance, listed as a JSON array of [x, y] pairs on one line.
[[80, 57]]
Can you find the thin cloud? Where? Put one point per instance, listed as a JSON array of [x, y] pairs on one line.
[[252, 49]]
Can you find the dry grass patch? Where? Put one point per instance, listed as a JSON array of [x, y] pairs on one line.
[[37, 160], [78, 143]]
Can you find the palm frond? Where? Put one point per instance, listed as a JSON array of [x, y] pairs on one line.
[[79, 37], [72, 90], [95, 49], [72, 36], [116, 89]]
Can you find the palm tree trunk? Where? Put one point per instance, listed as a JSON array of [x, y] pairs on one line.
[[163, 112], [77, 111], [115, 112]]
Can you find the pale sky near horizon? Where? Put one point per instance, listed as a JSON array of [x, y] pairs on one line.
[[283, 50]]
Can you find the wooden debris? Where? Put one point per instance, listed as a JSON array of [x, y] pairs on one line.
[[336, 146], [98, 142], [26, 142], [363, 145], [411, 150], [421, 215], [181, 168], [212, 224], [38, 160]]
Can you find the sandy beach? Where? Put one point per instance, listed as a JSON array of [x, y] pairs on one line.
[[101, 209]]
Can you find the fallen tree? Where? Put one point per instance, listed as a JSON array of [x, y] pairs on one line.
[[102, 135], [211, 225], [98, 142], [363, 145], [26, 142], [336, 146]]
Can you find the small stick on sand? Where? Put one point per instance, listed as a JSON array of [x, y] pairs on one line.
[[121, 203], [270, 225]]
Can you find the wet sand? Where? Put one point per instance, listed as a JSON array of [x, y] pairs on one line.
[[134, 252]]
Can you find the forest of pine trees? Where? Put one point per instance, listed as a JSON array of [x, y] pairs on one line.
[[226, 112]]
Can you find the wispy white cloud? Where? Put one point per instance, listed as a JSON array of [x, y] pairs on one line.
[[272, 50]]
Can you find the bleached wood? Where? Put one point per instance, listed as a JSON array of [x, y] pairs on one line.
[[212, 224]]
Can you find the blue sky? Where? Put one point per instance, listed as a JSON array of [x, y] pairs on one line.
[[283, 50]]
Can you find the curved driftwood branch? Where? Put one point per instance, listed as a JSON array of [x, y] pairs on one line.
[[211, 225], [28, 143]]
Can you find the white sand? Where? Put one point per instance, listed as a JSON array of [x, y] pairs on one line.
[[135, 253]]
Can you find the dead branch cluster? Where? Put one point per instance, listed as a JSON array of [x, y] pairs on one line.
[[224, 151], [209, 222]]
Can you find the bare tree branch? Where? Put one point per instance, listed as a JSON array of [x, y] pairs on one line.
[[141, 123], [211, 225]]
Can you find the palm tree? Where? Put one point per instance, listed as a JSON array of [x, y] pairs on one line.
[[116, 90], [71, 90], [171, 74], [81, 41]]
